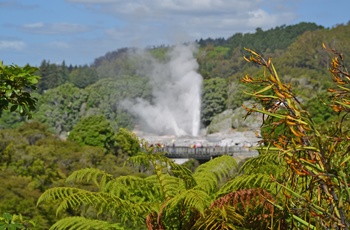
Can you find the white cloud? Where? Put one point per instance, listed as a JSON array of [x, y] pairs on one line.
[[203, 18], [11, 45], [54, 28]]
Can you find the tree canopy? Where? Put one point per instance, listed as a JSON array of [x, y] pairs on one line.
[[16, 85]]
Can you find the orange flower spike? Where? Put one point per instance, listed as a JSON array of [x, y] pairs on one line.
[[287, 195], [296, 133], [268, 63], [335, 63], [247, 79], [277, 145], [246, 59], [279, 94], [332, 90]]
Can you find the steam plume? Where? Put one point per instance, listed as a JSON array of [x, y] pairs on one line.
[[176, 89]]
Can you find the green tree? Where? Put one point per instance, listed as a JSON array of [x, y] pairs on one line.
[[15, 88], [106, 95], [61, 108], [94, 131], [127, 143], [83, 76], [52, 75], [214, 99], [320, 109]]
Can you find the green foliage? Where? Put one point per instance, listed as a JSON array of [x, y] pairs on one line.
[[209, 175], [160, 53], [172, 198], [84, 76], [33, 159], [13, 222], [9, 119], [115, 64], [61, 108], [94, 131], [127, 143], [214, 99], [320, 110], [191, 164], [106, 95], [84, 223], [52, 75], [15, 88]]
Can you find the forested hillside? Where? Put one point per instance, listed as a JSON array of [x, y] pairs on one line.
[[68, 93]]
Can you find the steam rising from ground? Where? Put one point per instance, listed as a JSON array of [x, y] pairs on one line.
[[176, 89]]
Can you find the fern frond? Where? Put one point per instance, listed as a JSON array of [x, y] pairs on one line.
[[82, 223], [224, 218], [208, 175], [262, 159], [139, 159], [148, 159], [102, 202], [184, 173], [99, 177], [248, 181], [132, 188], [192, 200], [170, 185]]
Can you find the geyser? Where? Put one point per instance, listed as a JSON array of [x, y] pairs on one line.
[[176, 89]]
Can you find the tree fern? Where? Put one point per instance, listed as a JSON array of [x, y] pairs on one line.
[[102, 202], [269, 158], [259, 180], [192, 199], [99, 177], [208, 175], [181, 210], [191, 202], [82, 223], [161, 165], [133, 188], [184, 173]]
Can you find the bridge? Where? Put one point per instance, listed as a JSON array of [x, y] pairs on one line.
[[203, 154]]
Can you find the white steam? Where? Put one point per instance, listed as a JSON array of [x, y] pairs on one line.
[[176, 89]]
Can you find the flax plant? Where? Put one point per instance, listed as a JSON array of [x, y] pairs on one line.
[[314, 191]]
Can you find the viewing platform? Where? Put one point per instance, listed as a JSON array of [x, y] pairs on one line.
[[206, 153]]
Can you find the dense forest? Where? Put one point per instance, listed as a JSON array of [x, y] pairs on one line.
[[75, 164]]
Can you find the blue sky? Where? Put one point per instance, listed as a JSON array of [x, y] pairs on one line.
[[78, 31]]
